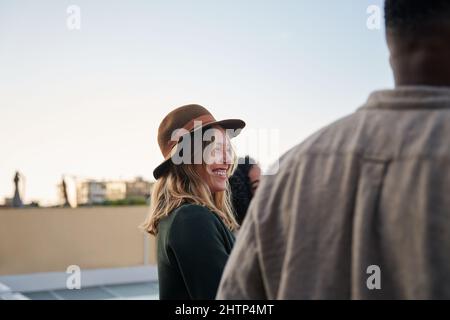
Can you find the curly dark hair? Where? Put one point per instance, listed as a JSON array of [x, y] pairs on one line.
[[409, 15], [241, 190]]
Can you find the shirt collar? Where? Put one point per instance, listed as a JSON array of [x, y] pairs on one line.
[[410, 97]]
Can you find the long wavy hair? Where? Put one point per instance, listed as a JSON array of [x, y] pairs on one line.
[[182, 184]]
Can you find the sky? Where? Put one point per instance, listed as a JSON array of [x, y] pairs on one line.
[[87, 102]]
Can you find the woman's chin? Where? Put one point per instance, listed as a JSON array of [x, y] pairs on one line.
[[218, 188]]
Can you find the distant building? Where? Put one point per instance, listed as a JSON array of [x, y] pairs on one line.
[[116, 190], [93, 192], [139, 188]]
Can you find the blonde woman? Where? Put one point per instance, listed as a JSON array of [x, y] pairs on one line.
[[191, 212]]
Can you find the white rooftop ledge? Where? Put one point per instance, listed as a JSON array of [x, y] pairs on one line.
[[90, 277]]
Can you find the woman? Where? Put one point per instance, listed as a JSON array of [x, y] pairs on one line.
[[190, 210], [243, 185]]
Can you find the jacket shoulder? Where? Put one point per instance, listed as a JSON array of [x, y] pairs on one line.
[[191, 223], [187, 211], [189, 214]]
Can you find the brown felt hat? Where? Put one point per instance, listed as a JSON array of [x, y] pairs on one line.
[[190, 118]]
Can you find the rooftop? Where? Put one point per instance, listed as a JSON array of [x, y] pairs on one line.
[[39, 247]]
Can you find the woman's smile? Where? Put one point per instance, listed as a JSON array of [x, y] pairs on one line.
[[220, 172]]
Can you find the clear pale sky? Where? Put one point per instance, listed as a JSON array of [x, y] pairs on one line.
[[88, 102]]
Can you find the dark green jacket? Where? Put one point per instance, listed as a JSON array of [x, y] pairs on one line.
[[193, 247]]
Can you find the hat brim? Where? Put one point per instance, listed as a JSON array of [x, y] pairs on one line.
[[235, 124]]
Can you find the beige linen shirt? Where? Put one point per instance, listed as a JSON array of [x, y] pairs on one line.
[[369, 191]]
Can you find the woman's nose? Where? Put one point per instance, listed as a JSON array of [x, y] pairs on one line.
[[227, 155]]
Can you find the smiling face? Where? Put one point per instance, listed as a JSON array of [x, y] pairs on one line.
[[217, 157]]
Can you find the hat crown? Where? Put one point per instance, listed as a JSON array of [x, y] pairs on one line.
[[175, 120]]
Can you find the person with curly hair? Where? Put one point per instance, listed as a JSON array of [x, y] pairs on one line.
[[243, 184]]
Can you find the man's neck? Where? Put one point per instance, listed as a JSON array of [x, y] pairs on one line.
[[421, 59], [422, 68]]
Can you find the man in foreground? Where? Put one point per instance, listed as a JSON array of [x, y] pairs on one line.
[[361, 210]]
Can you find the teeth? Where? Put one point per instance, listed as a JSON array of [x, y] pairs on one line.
[[220, 172]]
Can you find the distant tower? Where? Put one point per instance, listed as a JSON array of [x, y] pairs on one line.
[[17, 201], [64, 191]]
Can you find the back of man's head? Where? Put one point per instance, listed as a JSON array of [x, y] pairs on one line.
[[416, 15], [418, 36]]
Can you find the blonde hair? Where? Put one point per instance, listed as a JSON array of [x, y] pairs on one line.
[[182, 184]]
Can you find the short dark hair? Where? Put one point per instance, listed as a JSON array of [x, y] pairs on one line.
[[408, 15]]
